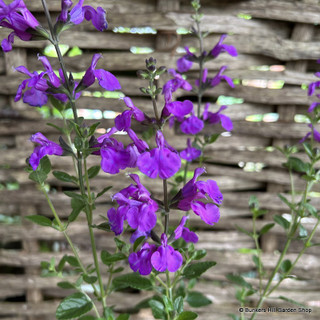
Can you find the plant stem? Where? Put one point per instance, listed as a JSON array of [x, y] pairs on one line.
[[74, 250], [166, 206], [92, 239], [55, 42]]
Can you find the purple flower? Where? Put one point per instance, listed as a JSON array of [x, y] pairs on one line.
[[219, 76], [141, 260], [312, 87], [165, 257], [314, 133], [135, 206], [184, 64], [220, 48], [163, 161], [106, 79], [17, 17], [45, 147], [114, 156], [123, 120], [174, 84], [190, 153], [80, 12], [183, 232], [35, 94], [192, 125], [314, 105], [217, 117], [180, 109], [194, 191]]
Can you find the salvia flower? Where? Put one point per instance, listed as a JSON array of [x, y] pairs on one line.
[[314, 133], [194, 191], [166, 257], [114, 156], [17, 17], [79, 12], [44, 147], [217, 117], [162, 161], [184, 64], [190, 153], [183, 232], [141, 260], [179, 108], [174, 84], [135, 206], [105, 78], [191, 125], [220, 47], [32, 89]]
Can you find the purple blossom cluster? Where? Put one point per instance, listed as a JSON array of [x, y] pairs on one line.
[[25, 26], [134, 204]]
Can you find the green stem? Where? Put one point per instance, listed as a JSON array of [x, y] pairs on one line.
[[166, 206], [269, 283], [74, 250], [92, 239], [55, 42], [256, 241], [306, 246]]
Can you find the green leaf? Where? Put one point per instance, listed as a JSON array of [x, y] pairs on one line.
[[89, 279], [45, 164], [138, 242], [285, 266], [178, 304], [73, 306], [122, 246], [103, 191], [65, 177], [108, 258], [187, 315], [77, 206], [105, 226], [38, 176], [167, 303], [157, 309], [72, 261], [199, 254], [238, 280], [93, 128], [296, 164], [74, 195], [56, 127], [244, 231], [308, 149], [66, 285], [285, 200], [257, 261], [266, 228], [124, 316], [303, 233], [89, 318], [132, 280], [211, 139], [93, 171], [197, 269], [197, 299], [284, 223], [292, 301], [40, 220]]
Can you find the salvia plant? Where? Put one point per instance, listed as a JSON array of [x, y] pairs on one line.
[[302, 160], [161, 255]]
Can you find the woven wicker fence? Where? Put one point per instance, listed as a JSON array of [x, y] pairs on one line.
[[278, 42]]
